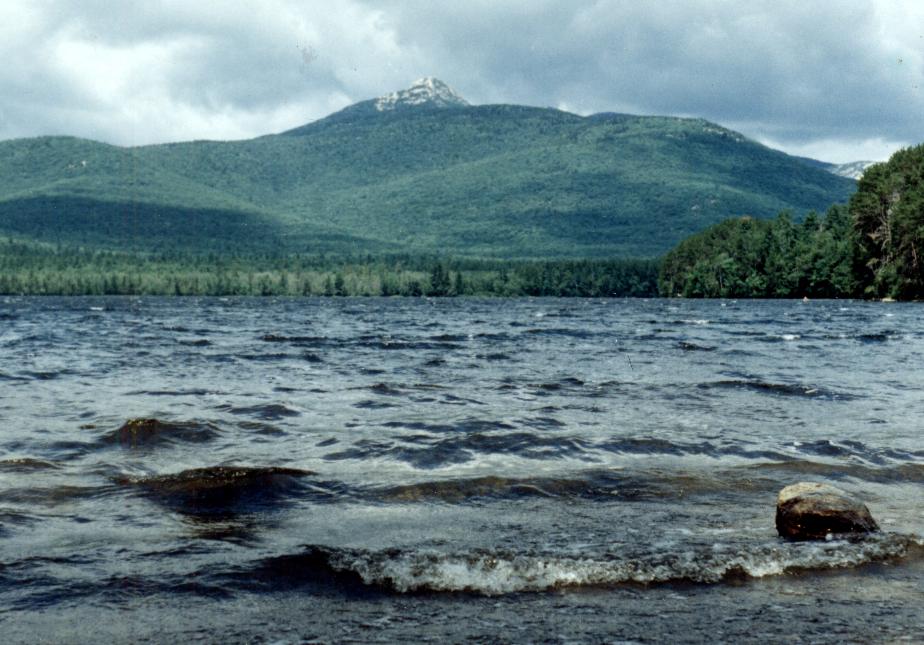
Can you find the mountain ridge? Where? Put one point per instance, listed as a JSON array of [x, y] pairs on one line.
[[427, 174]]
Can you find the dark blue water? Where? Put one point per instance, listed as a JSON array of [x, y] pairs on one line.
[[338, 470]]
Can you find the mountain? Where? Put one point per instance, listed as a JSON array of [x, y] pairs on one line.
[[424, 94], [852, 170], [416, 171], [426, 91]]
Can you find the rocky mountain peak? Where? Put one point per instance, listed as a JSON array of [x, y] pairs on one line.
[[426, 91], [853, 169]]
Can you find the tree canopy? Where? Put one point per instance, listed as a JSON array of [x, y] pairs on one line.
[[871, 248], [751, 258], [888, 216]]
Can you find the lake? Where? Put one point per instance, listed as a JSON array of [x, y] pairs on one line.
[[394, 470]]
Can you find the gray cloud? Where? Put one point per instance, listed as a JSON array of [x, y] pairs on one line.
[[789, 72], [836, 80]]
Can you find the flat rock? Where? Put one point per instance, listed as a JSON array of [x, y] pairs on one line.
[[813, 511]]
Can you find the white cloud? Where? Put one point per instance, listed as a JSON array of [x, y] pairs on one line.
[[140, 73], [839, 150]]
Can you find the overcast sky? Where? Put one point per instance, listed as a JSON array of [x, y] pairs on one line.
[[838, 80]]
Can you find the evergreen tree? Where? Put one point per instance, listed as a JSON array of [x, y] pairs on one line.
[[439, 281], [339, 285], [458, 288]]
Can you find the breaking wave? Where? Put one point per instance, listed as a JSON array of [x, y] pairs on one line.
[[494, 573]]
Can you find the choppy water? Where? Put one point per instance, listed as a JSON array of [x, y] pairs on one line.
[[487, 470]]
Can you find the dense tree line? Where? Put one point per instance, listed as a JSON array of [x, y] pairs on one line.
[[750, 258], [61, 270], [888, 215], [871, 248]]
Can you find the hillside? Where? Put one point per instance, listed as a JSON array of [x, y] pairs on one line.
[[418, 171]]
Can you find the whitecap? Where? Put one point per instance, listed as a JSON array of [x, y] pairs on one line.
[[498, 573]]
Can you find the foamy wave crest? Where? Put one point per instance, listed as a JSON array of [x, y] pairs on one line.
[[498, 573]]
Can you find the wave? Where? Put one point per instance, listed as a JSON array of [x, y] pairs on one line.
[[34, 375], [369, 404], [599, 485], [880, 337], [181, 392], [427, 453], [450, 338], [495, 336], [563, 331], [266, 411], [196, 342], [25, 464], [777, 389], [41, 589], [659, 446], [146, 432], [688, 346], [303, 341], [495, 573], [385, 389], [11, 377], [458, 490], [908, 473], [362, 572], [494, 356], [266, 358], [377, 342], [464, 441], [465, 425], [51, 496]]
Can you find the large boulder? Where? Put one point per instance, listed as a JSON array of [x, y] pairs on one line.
[[811, 511]]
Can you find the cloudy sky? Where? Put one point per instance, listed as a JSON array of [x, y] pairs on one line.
[[838, 80]]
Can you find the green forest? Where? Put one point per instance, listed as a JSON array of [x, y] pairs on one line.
[[30, 269], [870, 248], [505, 182]]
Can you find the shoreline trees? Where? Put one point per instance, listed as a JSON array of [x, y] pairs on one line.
[[871, 248], [30, 269]]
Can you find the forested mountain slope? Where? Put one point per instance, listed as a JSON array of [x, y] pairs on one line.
[[419, 171]]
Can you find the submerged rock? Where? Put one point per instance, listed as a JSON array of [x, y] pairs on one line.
[[141, 432], [812, 511], [220, 488]]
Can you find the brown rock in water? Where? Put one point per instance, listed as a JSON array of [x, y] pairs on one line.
[[811, 511], [220, 487]]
